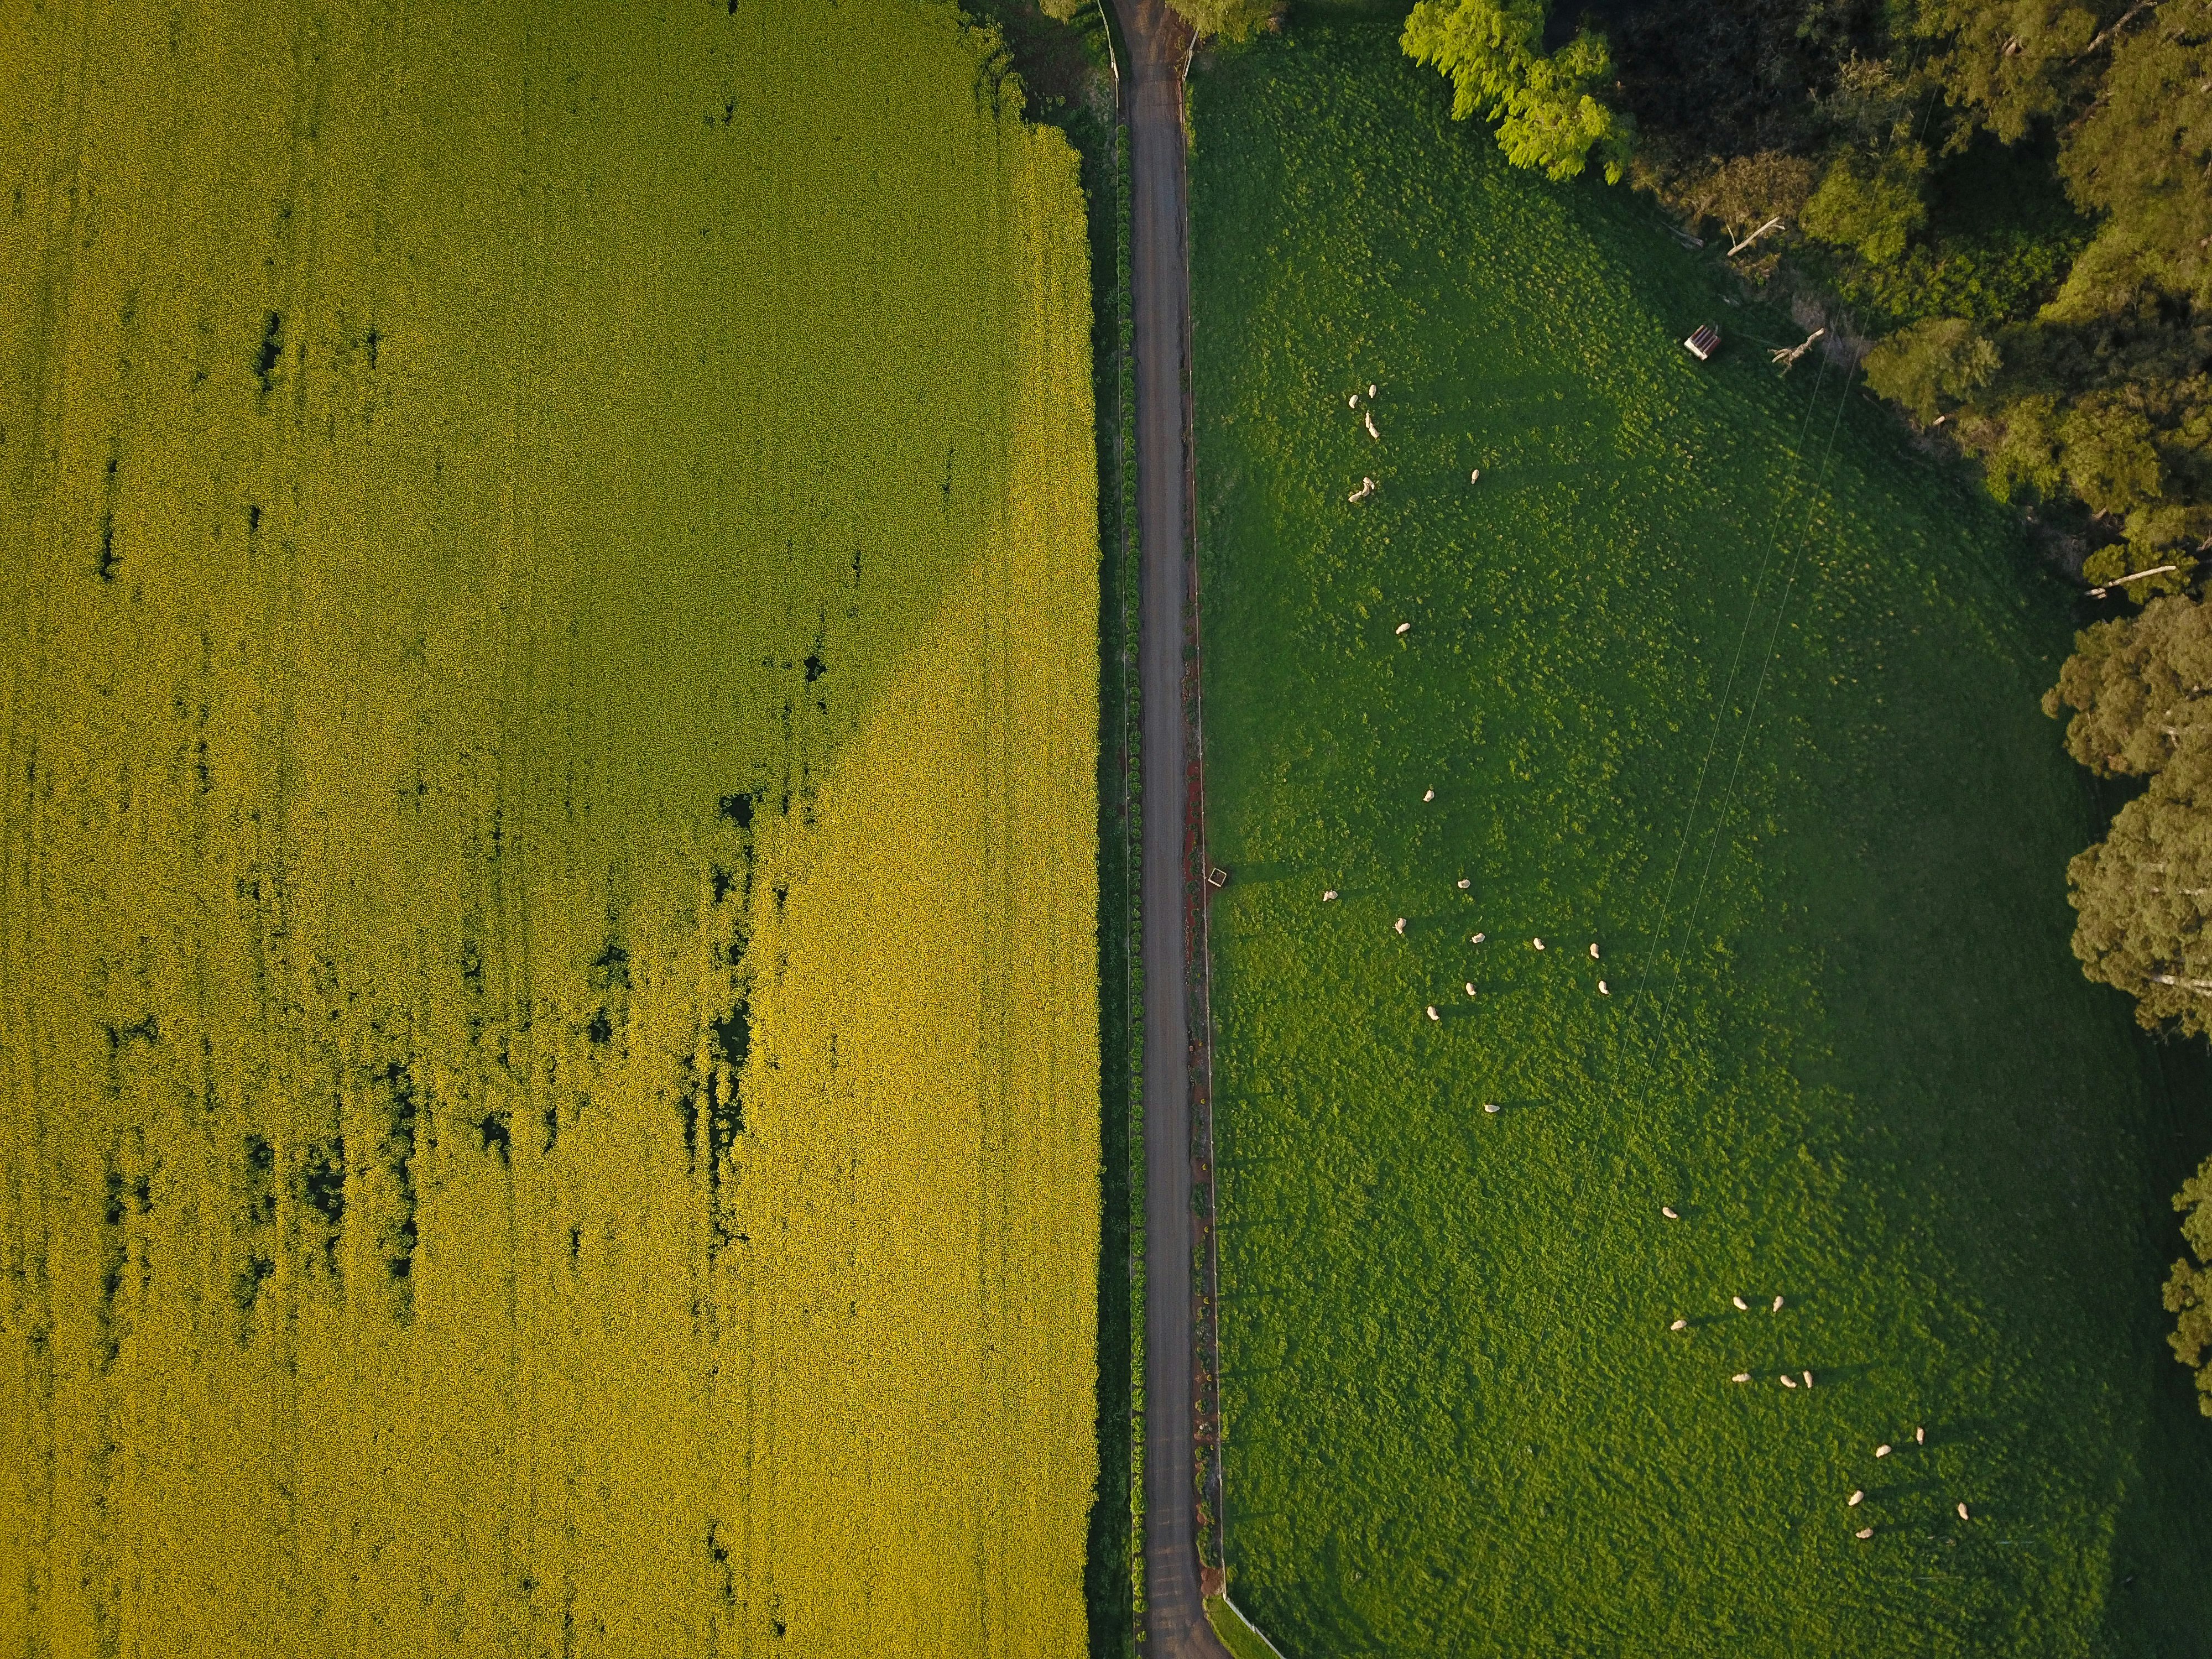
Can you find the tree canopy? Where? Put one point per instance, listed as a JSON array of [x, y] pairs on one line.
[[2189, 1288], [1492, 51]]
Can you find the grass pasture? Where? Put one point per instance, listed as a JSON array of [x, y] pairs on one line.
[[548, 1027], [1710, 670]]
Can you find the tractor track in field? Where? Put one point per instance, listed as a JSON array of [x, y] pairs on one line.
[[1179, 1414]]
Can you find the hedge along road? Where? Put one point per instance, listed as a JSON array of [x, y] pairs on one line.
[[1160, 309]]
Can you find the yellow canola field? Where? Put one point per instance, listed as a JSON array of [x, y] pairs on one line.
[[548, 1007]]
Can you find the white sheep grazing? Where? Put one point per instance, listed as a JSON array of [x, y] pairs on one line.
[[1371, 391], [1470, 988], [1400, 925], [1326, 897], [1372, 432], [1963, 1516], [1464, 883], [1474, 475], [1433, 1014], [1603, 989], [1475, 939], [1742, 1306], [1920, 1436], [1855, 1499], [1679, 1324], [1405, 627], [1777, 1305], [1352, 402], [1538, 943], [1881, 1451], [1594, 951], [1866, 1532], [1788, 1381], [1668, 1209], [1807, 1375], [1357, 497], [1488, 1107], [1741, 1376], [1428, 795]]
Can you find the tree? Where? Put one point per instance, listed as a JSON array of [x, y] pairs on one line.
[[1227, 20], [2189, 1288], [1747, 192], [2141, 690], [1941, 360], [1492, 51], [2144, 896], [2013, 63], [2142, 152], [1871, 203]]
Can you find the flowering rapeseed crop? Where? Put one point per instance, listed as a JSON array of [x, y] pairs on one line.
[[548, 1029]]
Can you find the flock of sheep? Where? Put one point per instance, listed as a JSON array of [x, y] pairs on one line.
[[1366, 490]]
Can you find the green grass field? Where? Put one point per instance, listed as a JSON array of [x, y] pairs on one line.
[[549, 1022], [1756, 716]]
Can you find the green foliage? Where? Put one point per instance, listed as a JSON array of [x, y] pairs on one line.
[[2145, 893], [1492, 51], [2140, 688], [1871, 204], [2141, 693], [1858, 1058], [2000, 276], [2189, 1288], [2142, 152], [1745, 193], [1227, 20], [1942, 360], [2010, 65]]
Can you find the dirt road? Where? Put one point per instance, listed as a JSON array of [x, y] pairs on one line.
[[1160, 298]]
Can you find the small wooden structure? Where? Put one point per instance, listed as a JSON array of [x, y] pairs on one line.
[[1702, 343]]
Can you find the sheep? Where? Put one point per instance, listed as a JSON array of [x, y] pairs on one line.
[[1777, 1308], [1855, 1499], [1881, 1451], [1865, 1531], [1470, 988], [1807, 1375], [1741, 1376], [1963, 1516], [1538, 943], [1490, 1106], [1603, 989], [1679, 1325], [1428, 795], [1405, 627], [1742, 1306], [1668, 1209], [1788, 1381], [1474, 475], [1371, 391], [1400, 925], [1920, 1436], [1352, 402], [1329, 896], [1475, 938], [1433, 1014], [1372, 432], [1593, 949], [1464, 883]]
